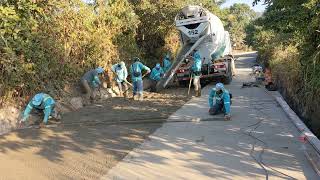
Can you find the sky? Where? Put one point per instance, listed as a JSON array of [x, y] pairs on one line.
[[258, 8]]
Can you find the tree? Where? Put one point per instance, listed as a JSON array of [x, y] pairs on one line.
[[239, 16], [287, 38]]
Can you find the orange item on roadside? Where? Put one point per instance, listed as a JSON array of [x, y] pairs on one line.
[[268, 75]]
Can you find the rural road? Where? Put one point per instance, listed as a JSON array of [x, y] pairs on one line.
[[216, 149]]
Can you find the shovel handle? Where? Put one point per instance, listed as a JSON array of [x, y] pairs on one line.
[[189, 85]]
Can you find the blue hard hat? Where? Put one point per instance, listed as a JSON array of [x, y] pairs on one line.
[[158, 65], [219, 86], [37, 99], [99, 70]]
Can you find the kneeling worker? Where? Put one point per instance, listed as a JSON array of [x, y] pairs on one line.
[[219, 101], [41, 102], [156, 75]]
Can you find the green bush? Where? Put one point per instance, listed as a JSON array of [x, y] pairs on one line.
[[44, 45], [287, 37]]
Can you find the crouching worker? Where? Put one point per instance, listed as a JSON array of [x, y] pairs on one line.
[[220, 101], [155, 76], [90, 82], [121, 77], [41, 102]]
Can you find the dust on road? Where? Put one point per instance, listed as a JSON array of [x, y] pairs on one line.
[[85, 152]]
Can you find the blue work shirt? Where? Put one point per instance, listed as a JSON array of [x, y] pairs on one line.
[[166, 64], [156, 74], [92, 77], [137, 67], [224, 97], [197, 63], [121, 72], [46, 105]]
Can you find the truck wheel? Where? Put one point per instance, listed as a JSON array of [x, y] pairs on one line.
[[228, 78]]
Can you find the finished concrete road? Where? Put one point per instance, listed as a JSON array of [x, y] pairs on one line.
[[259, 143]]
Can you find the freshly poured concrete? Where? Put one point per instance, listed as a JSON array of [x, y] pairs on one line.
[[207, 147]]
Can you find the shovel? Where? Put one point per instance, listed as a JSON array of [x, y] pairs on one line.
[[190, 84]]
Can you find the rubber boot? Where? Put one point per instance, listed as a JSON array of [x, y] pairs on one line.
[[198, 93], [140, 97], [227, 117]]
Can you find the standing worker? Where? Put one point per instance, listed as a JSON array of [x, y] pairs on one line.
[[121, 77], [220, 101], [90, 82], [136, 75], [166, 63], [41, 102], [156, 74], [196, 72]]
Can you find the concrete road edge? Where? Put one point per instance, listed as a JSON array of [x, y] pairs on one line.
[[311, 142]]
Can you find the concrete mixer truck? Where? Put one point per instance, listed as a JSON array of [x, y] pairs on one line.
[[201, 31]]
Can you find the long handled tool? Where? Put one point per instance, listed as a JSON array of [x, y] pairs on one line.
[[128, 87], [131, 84], [144, 75], [128, 83], [190, 84], [100, 94]]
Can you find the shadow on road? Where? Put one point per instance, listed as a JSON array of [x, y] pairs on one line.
[[80, 149]]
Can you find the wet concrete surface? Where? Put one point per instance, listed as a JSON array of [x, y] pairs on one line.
[[85, 150]]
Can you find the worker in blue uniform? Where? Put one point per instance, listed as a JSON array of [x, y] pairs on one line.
[[90, 82], [136, 76], [220, 101], [196, 72], [166, 63], [121, 77], [155, 76], [42, 102]]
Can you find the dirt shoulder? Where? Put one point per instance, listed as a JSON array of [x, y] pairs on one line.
[[80, 151]]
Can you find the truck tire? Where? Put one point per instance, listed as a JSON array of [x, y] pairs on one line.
[[228, 78]]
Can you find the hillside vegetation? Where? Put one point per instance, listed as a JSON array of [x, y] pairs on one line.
[[45, 45], [287, 37]]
